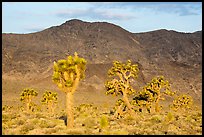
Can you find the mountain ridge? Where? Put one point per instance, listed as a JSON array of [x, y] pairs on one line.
[[158, 52]]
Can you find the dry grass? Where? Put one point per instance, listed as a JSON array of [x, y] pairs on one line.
[[94, 121], [92, 116]]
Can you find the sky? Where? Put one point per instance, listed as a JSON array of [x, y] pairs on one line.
[[136, 17]]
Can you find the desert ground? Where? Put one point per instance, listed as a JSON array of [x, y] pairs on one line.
[[91, 114]]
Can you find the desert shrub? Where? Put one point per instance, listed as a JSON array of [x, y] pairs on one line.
[[11, 131], [50, 131], [197, 116], [9, 116], [26, 127], [20, 122], [116, 132], [172, 130], [44, 123], [84, 110], [76, 131], [104, 122], [7, 108], [6, 117], [86, 107], [89, 122], [156, 119], [39, 115], [169, 117]]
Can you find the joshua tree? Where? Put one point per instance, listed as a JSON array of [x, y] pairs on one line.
[[50, 99], [67, 74], [26, 97], [120, 83], [154, 91], [182, 102]]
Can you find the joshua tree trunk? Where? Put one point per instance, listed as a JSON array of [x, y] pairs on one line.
[[69, 105], [157, 103], [129, 106], [27, 106], [118, 112], [28, 103], [50, 107]]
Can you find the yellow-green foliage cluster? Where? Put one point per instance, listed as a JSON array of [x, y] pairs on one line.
[[123, 72], [104, 122], [182, 102], [66, 71], [120, 82], [27, 96], [85, 107], [152, 93], [49, 96]]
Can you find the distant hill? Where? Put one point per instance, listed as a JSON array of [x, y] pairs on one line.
[[176, 55]]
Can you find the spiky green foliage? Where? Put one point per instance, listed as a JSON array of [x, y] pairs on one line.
[[50, 99], [123, 73], [26, 97], [119, 84], [182, 102], [157, 84], [66, 71]]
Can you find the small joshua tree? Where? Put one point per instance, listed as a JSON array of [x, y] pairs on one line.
[[50, 99], [120, 83], [27, 96], [155, 90], [182, 102], [67, 74], [142, 101]]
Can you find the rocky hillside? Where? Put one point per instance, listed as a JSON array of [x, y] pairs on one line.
[[176, 55]]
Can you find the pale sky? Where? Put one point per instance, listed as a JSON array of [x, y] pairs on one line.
[[28, 17]]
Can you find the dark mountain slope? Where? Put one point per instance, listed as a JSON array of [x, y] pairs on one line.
[[176, 55]]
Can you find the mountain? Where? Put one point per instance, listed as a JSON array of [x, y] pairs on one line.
[[176, 55]]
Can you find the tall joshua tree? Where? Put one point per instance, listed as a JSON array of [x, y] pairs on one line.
[[120, 83], [67, 74]]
